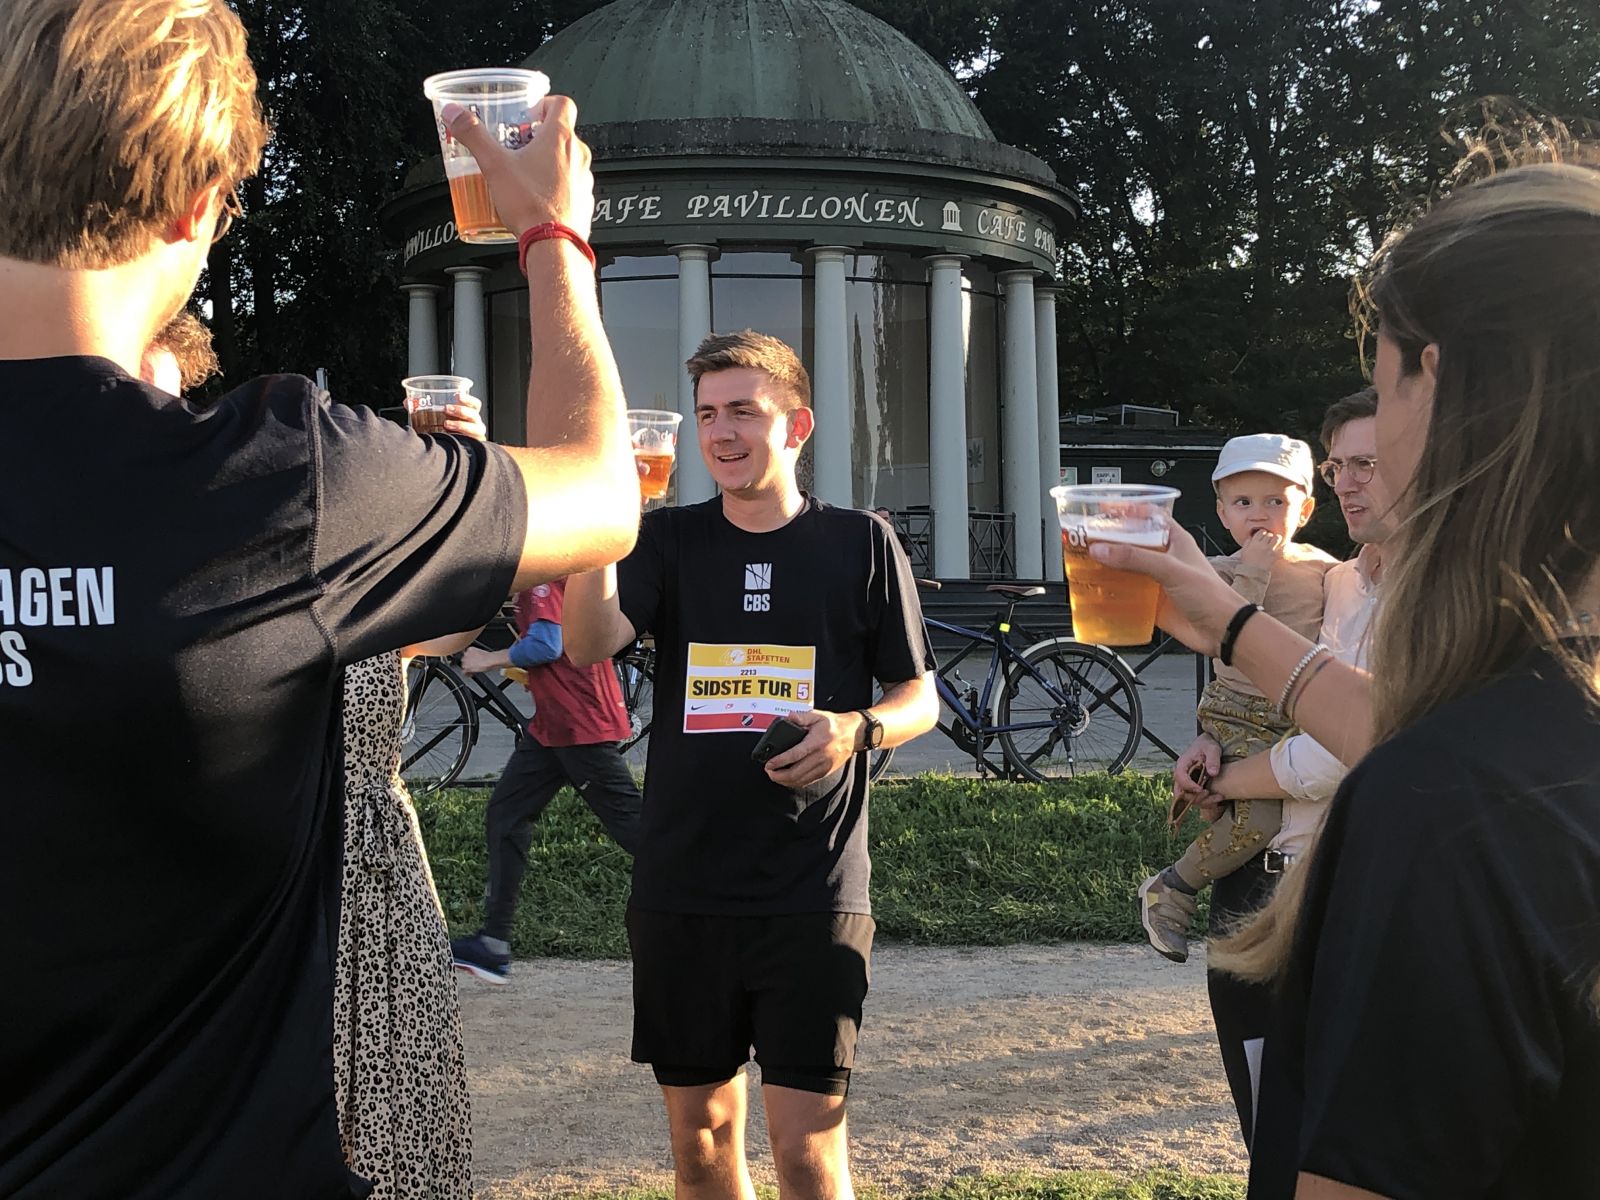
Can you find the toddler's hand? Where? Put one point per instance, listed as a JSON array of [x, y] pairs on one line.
[[1262, 552]]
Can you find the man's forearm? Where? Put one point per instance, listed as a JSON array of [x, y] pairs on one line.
[[907, 710], [443, 647], [583, 500], [575, 394], [593, 627]]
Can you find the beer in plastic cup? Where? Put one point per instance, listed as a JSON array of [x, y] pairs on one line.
[[504, 99], [1112, 607], [655, 448], [427, 396]]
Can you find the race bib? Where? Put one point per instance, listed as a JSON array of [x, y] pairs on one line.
[[740, 689]]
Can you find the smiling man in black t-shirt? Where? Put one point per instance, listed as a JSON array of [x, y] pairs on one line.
[[169, 866], [750, 922]]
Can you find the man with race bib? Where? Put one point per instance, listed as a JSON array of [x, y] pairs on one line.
[[750, 923]]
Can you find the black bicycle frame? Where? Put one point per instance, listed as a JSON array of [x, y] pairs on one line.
[[492, 698], [1003, 651]]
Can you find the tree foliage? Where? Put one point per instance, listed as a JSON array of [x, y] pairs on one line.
[[1237, 161]]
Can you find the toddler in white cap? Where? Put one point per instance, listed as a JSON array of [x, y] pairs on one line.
[[1263, 485]]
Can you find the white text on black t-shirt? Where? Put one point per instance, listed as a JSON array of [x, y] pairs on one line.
[[54, 596]]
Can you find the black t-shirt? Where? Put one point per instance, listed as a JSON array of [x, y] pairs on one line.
[[749, 626], [179, 593], [1435, 1037]]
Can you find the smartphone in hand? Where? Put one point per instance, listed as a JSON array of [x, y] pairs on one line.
[[781, 735]]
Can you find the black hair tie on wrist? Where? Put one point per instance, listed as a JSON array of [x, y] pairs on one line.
[[1231, 635]]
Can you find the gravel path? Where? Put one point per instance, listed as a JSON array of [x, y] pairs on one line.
[[1024, 1057]]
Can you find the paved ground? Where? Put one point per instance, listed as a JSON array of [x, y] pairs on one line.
[[1166, 690]]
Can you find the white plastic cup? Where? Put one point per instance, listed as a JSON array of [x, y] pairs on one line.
[[504, 99], [654, 433], [428, 395], [1112, 607]]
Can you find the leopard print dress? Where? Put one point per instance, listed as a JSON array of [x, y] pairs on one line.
[[399, 1068]]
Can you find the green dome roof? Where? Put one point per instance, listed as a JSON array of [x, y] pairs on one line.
[[787, 60]]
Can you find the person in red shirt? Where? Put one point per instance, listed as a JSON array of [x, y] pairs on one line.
[[578, 719]]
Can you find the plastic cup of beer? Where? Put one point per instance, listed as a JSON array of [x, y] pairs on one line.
[[504, 99], [427, 397], [1111, 607], [655, 448]]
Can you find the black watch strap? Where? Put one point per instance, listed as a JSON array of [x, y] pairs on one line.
[[872, 729]]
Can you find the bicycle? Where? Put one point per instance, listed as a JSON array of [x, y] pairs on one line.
[[1060, 707], [636, 674], [1076, 705], [443, 704], [442, 723]]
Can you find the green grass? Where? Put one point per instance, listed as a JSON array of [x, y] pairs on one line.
[[1067, 1185], [955, 862]]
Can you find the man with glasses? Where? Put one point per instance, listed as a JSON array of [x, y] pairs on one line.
[[1298, 770]]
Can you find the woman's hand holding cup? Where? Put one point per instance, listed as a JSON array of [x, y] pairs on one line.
[[1195, 604]]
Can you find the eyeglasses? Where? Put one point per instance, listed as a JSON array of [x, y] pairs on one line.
[[1360, 466], [231, 208]]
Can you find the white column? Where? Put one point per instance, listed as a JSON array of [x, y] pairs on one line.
[[422, 344], [1044, 335], [947, 419], [467, 354], [830, 381], [1019, 424], [694, 323]]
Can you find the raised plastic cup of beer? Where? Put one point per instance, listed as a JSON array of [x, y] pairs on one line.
[[427, 397], [655, 448], [1111, 607], [504, 99]]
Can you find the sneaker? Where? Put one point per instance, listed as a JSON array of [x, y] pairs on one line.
[[473, 957], [1166, 913]]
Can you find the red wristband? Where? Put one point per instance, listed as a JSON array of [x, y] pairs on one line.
[[542, 233]]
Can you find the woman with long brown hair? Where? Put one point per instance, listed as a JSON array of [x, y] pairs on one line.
[[1437, 954]]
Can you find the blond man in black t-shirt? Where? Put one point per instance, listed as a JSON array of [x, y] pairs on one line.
[[227, 565]]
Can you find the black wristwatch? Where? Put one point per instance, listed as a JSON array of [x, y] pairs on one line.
[[872, 729]]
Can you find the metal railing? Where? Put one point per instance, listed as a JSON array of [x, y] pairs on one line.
[[917, 526], [992, 545], [991, 542]]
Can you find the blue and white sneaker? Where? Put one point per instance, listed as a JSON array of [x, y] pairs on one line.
[[475, 958]]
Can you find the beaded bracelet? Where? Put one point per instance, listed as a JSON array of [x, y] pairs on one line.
[[1305, 684], [1299, 669]]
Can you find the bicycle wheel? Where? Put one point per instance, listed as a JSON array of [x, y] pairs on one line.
[[440, 728], [636, 674], [1091, 703]]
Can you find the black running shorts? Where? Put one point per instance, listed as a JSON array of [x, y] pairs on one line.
[[706, 989]]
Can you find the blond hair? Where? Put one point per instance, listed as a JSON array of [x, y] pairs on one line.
[[753, 351], [1502, 522], [114, 114]]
